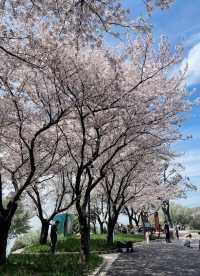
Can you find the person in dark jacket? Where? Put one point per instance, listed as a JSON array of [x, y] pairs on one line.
[[177, 232], [167, 233], [53, 235]]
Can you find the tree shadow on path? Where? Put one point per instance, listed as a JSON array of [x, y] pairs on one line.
[[158, 259]]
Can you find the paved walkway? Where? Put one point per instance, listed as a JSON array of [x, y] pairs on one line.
[[158, 259]]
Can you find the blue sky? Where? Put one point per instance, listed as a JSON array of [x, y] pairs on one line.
[[181, 24]]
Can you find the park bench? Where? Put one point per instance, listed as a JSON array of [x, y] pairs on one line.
[[125, 245]]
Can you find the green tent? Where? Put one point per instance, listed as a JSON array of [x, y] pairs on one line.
[[65, 225]]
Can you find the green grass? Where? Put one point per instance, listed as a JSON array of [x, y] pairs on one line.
[[193, 231], [98, 243], [66, 265], [129, 237], [33, 265]]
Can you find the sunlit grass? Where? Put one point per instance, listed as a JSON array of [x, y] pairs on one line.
[[33, 265], [98, 243]]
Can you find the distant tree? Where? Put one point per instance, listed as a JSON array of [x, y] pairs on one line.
[[133, 214], [176, 185], [195, 218], [59, 195], [20, 223], [129, 182], [180, 214], [99, 209], [188, 217]]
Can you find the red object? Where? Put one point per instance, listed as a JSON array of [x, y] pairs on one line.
[[157, 222]]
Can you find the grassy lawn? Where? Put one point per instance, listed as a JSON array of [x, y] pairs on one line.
[[33, 265], [72, 243], [68, 265], [193, 231]]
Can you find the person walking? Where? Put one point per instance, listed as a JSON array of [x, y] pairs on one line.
[[147, 237], [167, 233], [177, 233], [53, 235]]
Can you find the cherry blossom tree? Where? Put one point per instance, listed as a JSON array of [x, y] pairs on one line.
[[120, 102], [133, 214], [25, 24], [99, 207], [29, 135], [51, 196], [134, 179], [98, 103], [175, 185], [170, 185]]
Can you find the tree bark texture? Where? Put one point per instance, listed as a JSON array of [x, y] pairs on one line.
[[110, 230], [4, 230], [44, 232], [85, 240]]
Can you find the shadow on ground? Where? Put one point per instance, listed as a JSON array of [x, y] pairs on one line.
[[158, 259]]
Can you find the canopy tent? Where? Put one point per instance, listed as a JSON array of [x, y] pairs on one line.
[[65, 223]]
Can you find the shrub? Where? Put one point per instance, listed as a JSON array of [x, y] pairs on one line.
[[28, 239]]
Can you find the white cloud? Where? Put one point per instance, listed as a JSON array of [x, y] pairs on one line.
[[193, 62], [191, 162]]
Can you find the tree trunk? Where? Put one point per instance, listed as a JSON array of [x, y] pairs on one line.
[[4, 229], [166, 211], [100, 225], [94, 228], [130, 219], [44, 232], [169, 219], [101, 228], [129, 213], [110, 230], [85, 240], [6, 216], [136, 221]]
